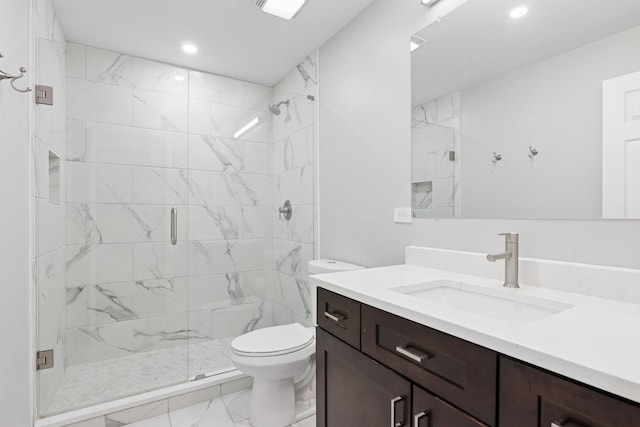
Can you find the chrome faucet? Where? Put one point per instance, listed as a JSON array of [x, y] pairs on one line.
[[510, 257]]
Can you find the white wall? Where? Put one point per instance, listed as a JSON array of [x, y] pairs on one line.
[[555, 106], [365, 160], [16, 359]]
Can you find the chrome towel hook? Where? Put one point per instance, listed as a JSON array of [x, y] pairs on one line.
[[12, 79]]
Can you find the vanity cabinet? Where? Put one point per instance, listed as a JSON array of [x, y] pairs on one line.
[[395, 372], [530, 397]]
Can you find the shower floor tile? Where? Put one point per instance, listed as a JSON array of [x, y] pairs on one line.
[[97, 382]]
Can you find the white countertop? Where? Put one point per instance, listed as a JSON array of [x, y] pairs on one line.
[[596, 342]]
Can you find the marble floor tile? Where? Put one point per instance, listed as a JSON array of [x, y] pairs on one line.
[[160, 421]]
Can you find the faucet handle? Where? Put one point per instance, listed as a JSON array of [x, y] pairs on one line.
[[510, 237]]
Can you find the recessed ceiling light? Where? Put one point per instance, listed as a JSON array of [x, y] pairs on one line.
[[190, 48], [519, 12], [246, 128], [416, 42], [178, 78], [286, 9]]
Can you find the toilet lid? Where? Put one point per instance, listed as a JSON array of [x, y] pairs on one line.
[[273, 341]]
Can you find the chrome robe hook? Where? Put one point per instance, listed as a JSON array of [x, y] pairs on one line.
[[12, 79]]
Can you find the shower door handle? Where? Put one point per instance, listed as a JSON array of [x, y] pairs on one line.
[[174, 226]]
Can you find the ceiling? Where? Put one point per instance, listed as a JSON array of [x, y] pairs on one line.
[[235, 38], [479, 41]]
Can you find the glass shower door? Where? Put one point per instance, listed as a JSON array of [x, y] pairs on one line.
[[112, 167]]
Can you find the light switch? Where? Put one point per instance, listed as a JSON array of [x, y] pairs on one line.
[[402, 215]]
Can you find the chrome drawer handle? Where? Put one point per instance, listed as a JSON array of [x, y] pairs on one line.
[[335, 317], [174, 226], [416, 356], [394, 401], [418, 417]]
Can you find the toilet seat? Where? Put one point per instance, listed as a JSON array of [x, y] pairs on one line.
[[273, 341]]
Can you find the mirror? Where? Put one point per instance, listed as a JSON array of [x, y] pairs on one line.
[[528, 111]]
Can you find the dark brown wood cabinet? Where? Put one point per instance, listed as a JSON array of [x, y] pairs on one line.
[[354, 390], [431, 411], [530, 397], [394, 372]]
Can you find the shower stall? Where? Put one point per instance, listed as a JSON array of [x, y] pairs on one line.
[[157, 233]]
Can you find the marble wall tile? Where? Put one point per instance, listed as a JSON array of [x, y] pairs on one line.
[[216, 154], [100, 304], [292, 258], [444, 192], [213, 291], [174, 330], [257, 158], [225, 121], [224, 90], [91, 183], [303, 78], [51, 336], [76, 60], [296, 185], [257, 222], [50, 226], [99, 102], [240, 189], [206, 258], [161, 296], [50, 128], [46, 24], [96, 343], [160, 186], [240, 319], [128, 71], [215, 222], [75, 140], [299, 114], [159, 261], [50, 277], [299, 228], [88, 223], [126, 145], [159, 111], [294, 151], [295, 294], [96, 264]]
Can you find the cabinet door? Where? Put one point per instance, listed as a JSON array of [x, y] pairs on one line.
[[355, 391], [429, 411], [530, 397]]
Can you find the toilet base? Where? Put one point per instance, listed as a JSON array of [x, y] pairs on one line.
[[273, 403]]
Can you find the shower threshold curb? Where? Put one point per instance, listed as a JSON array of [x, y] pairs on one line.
[[107, 408]]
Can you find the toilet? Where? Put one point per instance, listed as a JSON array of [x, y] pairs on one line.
[[274, 357]]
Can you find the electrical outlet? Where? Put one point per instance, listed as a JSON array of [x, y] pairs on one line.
[[402, 215]]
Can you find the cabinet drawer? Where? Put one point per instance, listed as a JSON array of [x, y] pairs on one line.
[[340, 316], [451, 368], [530, 397], [428, 410]]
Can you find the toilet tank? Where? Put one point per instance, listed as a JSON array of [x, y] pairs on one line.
[[320, 266]]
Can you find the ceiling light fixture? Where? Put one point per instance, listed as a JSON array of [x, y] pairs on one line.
[[190, 48], [247, 128], [519, 12], [178, 78], [416, 42], [286, 9], [429, 3]]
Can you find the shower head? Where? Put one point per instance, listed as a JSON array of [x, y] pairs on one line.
[[275, 108]]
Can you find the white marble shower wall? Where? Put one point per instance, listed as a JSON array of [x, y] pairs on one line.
[[435, 178], [144, 137], [48, 199], [294, 170]]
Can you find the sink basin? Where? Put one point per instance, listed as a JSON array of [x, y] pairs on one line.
[[498, 306]]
